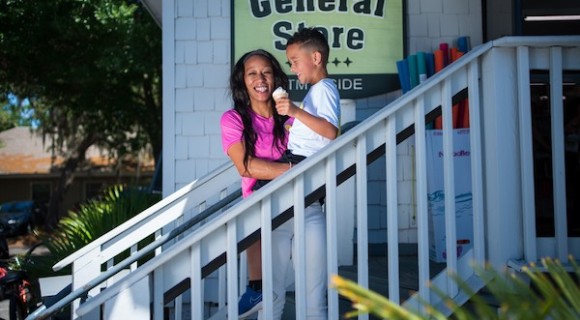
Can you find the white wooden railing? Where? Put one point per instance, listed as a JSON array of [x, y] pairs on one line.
[[221, 186], [495, 77]]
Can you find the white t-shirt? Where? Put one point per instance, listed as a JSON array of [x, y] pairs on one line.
[[322, 100]]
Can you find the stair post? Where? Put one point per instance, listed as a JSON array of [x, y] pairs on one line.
[[503, 208]]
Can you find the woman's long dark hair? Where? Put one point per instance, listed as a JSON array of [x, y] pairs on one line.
[[242, 103]]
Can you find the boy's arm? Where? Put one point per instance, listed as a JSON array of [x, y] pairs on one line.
[[317, 124]]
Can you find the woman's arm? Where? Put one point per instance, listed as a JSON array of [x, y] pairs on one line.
[[257, 168]]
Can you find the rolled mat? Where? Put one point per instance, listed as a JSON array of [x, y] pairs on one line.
[[453, 54], [413, 74], [439, 60], [430, 62], [421, 66], [403, 69], [463, 44], [444, 46]]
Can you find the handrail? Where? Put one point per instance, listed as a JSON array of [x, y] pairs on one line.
[[143, 216], [537, 41], [43, 311]]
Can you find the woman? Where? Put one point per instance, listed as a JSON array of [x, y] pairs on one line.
[[253, 136]]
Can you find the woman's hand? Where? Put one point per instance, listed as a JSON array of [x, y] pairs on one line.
[[257, 168]]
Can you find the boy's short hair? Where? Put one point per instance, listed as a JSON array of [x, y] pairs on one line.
[[312, 39]]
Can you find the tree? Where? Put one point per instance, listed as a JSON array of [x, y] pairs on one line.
[[14, 112], [91, 70]]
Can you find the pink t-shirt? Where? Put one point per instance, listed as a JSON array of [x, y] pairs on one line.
[[232, 129]]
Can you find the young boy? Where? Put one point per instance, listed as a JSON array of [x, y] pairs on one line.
[[316, 121], [316, 124]]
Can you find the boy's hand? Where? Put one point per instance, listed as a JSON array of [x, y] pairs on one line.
[[285, 107], [319, 125]]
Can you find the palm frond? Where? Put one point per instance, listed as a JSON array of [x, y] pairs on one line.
[[551, 293]]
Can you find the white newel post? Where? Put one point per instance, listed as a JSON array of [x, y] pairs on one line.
[[503, 210]]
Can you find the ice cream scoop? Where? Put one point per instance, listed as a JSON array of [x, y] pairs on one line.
[[279, 93]]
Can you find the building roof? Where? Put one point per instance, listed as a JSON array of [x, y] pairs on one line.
[[154, 8], [23, 151]]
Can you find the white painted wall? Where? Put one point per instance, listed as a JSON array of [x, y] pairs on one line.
[[196, 62], [196, 66]]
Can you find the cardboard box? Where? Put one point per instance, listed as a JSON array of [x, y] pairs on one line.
[[436, 194]]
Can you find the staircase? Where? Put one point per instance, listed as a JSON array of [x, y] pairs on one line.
[[186, 257]]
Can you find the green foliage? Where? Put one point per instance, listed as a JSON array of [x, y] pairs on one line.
[[8, 118], [553, 293], [91, 71], [92, 220], [13, 113]]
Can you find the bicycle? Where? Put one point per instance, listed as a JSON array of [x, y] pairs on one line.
[[22, 291]]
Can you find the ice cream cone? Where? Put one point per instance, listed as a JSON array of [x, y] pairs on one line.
[[279, 93]]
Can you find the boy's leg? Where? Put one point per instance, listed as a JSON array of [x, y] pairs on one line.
[[316, 277], [281, 254]]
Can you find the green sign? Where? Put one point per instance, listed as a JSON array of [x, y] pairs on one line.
[[365, 38]]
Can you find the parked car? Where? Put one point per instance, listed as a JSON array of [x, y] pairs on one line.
[[18, 217]]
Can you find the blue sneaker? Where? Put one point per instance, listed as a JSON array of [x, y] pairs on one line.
[[250, 302]]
